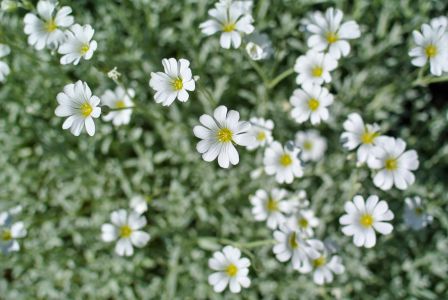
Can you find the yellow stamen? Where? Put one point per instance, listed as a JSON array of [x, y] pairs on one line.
[[50, 25], [231, 270], [431, 51], [125, 231], [308, 145], [177, 84], [313, 104], [120, 104], [418, 210], [332, 37], [6, 235], [303, 223], [272, 205], [225, 135], [292, 241], [86, 109], [319, 262], [366, 220], [285, 160], [84, 49], [317, 71], [229, 27], [391, 164], [368, 137], [261, 136]]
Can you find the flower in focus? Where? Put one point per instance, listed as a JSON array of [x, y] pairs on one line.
[[79, 44], [312, 144], [290, 244], [364, 218], [394, 164], [46, 29], [431, 45], [126, 230], [4, 68], [314, 67], [415, 216], [9, 233], [231, 270], [324, 266], [232, 20], [328, 32], [173, 82], [261, 130], [282, 162], [270, 206], [138, 204], [219, 134], [311, 102], [359, 134], [78, 104], [304, 221], [121, 101]]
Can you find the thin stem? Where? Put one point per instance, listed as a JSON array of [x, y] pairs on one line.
[[249, 245], [428, 80], [280, 78]]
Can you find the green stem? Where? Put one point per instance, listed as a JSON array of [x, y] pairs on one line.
[[249, 245], [280, 78], [428, 80]]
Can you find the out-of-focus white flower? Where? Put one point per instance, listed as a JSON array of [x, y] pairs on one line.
[[314, 67], [174, 82], [363, 219], [120, 99], [282, 162], [229, 19], [290, 244], [394, 164], [313, 145], [231, 270], [415, 216], [46, 29], [270, 206], [10, 231], [219, 134], [138, 204], [329, 33], [304, 221], [78, 104], [79, 44], [261, 130], [4, 68], [298, 201], [9, 5], [126, 230], [431, 45], [324, 266], [259, 46], [359, 134], [311, 102], [113, 74]]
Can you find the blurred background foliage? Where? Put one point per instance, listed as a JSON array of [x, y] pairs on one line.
[[68, 186]]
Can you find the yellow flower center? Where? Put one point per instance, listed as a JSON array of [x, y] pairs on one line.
[[285, 160], [319, 262], [229, 27], [225, 135], [6, 235], [303, 223], [50, 25], [125, 231], [317, 71], [120, 104], [308, 145], [272, 205], [366, 220], [231, 270], [177, 84], [86, 109], [431, 51], [332, 37], [313, 104], [368, 137], [418, 211], [84, 49], [292, 241], [391, 164], [261, 136]]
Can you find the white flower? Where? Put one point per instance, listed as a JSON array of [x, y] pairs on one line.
[[431, 45], [4, 68], [261, 130], [9, 233], [231, 269], [119, 99], [298, 201], [414, 214], [231, 20], [328, 32], [126, 229], [46, 29], [304, 221], [79, 44], [259, 46], [363, 219], [357, 133], [174, 82], [441, 21], [270, 206], [314, 67], [394, 164], [290, 244], [138, 204], [312, 144], [324, 267], [282, 162], [78, 104], [219, 134], [311, 102]]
